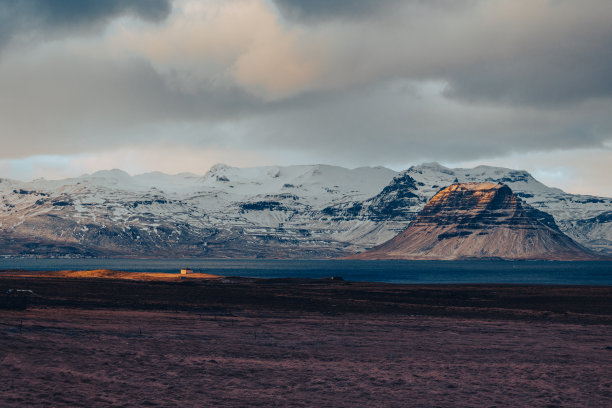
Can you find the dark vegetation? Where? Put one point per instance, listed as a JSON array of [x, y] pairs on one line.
[[12, 299], [332, 296]]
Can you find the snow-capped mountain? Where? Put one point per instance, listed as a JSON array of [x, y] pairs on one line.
[[586, 219], [312, 211], [480, 221]]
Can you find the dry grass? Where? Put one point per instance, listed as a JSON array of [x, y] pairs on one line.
[[100, 358], [107, 274]]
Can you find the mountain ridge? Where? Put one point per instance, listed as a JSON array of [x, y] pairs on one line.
[[308, 211]]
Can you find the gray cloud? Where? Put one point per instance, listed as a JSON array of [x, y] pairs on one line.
[[27, 18], [75, 103], [538, 53], [66, 103], [325, 10], [397, 122], [540, 74], [426, 82]]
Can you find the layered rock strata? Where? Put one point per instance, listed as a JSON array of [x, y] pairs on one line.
[[479, 220]]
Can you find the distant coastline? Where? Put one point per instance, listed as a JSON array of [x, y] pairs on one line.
[[385, 271]]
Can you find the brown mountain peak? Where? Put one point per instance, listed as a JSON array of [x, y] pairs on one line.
[[479, 220]]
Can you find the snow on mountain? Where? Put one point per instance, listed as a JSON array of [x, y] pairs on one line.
[[227, 212], [586, 219], [319, 185], [294, 211]]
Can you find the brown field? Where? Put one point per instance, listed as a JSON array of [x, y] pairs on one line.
[[93, 342], [106, 274]]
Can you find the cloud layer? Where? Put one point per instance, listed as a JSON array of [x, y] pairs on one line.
[[23, 19], [353, 83]]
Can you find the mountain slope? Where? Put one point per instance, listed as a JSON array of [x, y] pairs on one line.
[[229, 212], [586, 219], [479, 220], [314, 211], [576, 215]]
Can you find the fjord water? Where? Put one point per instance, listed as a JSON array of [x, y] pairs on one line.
[[390, 271]]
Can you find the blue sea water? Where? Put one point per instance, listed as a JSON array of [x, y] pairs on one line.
[[392, 271]]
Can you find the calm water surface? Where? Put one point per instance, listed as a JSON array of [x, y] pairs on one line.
[[526, 272]]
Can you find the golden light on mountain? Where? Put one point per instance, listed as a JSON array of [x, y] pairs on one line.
[[479, 220]]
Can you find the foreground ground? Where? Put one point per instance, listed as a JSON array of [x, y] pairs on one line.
[[236, 342]]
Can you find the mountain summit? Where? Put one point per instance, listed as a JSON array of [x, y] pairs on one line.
[[479, 220]]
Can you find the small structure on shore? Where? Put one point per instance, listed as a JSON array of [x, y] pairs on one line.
[[186, 271]]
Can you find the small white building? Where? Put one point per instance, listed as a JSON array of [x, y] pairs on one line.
[[185, 271]]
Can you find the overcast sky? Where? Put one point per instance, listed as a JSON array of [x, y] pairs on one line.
[[181, 85]]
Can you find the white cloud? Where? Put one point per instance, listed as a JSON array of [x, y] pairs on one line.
[[225, 43]]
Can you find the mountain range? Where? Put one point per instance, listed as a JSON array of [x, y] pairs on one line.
[[310, 211]]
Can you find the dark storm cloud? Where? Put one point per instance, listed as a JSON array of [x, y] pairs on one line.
[[30, 17], [553, 75], [539, 53], [324, 9]]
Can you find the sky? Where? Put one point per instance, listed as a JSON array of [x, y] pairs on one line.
[[180, 85]]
